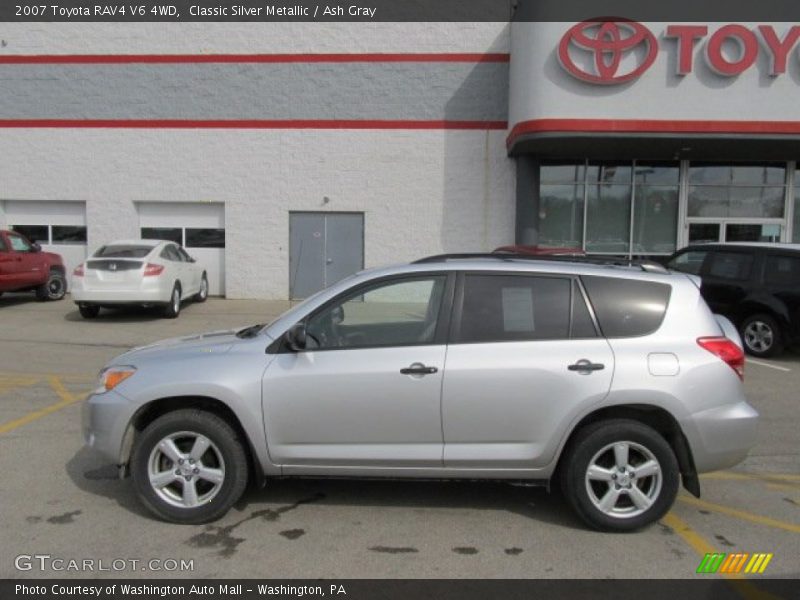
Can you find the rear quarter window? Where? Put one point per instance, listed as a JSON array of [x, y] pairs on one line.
[[627, 307], [782, 270]]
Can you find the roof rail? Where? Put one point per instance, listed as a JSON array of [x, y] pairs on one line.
[[648, 266]]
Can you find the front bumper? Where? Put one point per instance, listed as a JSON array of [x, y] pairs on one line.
[[721, 437], [105, 418]]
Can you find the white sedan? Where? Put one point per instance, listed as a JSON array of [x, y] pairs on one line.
[[138, 272]]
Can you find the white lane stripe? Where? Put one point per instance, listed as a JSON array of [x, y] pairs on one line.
[[764, 364]]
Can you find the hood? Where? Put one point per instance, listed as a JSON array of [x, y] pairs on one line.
[[216, 342]]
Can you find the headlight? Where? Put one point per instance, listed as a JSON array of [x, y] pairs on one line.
[[111, 377]]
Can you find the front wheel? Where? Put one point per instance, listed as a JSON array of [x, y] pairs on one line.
[[53, 289], [189, 467], [173, 308], [761, 336], [202, 295], [620, 475]]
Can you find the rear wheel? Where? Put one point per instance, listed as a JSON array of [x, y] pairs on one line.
[[54, 288], [761, 336], [203, 293], [189, 467], [620, 475], [173, 309], [88, 311]]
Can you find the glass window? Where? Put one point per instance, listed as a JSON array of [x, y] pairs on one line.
[[702, 233], [19, 243], [501, 308], [561, 215], [562, 173], [782, 269], [690, 261], [69, 234], [170, 252], [796, 219], [627, 307], [608, 218], [655, 210], [723, 191], [750, 232], [34, 233], [619, 173], [123, 251], [730, 265], [205, 238], [185, 255], [168, 234], [396, 313]]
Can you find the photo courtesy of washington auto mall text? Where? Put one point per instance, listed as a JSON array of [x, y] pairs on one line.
[[399, 299]]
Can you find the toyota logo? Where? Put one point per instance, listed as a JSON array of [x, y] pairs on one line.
[[609, 41], [113, 266]]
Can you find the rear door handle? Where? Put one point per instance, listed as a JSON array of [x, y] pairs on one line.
[[586, 366], [418, 369]]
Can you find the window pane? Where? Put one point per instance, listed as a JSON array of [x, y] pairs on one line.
[[655, 219], [609, 173], [69, 234], [657, 173], [562, 172], [730, 265], [501, 308], [34, 233], [688, 262], [168, 234], [205, 238], [782, 270], [701, 233], [759, 175], [392, 314], [708, 201], [608, 218], [743, 232], [710, 174], [122, 251], [627, 307], [561, 215], [723, 202]]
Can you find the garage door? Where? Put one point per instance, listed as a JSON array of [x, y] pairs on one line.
[[197, 226], [57, 226]]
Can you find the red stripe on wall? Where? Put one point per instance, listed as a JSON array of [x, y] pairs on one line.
[[98, 59], [651, 126], [248, 124]]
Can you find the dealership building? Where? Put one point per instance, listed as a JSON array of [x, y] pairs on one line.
[[285, 156]]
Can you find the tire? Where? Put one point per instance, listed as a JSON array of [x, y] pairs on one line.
[[53, 289], [173, 308], [223, 460], [202, 295], [595, 446], [761, 336], [88, 311]]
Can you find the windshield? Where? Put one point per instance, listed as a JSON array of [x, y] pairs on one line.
[[123, 251]]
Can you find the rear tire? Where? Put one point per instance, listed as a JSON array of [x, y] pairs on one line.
[[761, 336], [173, 309], [202, 295], [89, 312], [206, 483], [53, 289], [619, 475]]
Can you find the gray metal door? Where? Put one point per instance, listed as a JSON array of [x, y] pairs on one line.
[[323, 248]]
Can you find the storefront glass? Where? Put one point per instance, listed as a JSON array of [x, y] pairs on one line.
[[561, 197], [655, 213], [726, 191], [796, 220]]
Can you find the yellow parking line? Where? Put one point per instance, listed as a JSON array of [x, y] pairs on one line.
[[741, 514], [774, 477], [60, 390]]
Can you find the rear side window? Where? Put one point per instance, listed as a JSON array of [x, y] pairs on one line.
[[688, 262], [171, 253], [730, 265], [782, 270], [627, 307], [504, 308]]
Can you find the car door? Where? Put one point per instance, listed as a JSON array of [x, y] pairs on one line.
[[193, 270], [177, 268], [25, 264], [782, 281], [524, 360], [727, 278], [366, 392]]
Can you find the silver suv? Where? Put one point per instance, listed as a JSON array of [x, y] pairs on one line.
[[612, 381]]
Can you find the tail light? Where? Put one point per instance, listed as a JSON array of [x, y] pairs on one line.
[[78, 272], [151, 270], [727, 351]]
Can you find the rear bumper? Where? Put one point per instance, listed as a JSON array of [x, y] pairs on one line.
[[721, 437], [140, 296]]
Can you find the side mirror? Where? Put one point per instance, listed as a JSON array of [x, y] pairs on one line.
[[36, 247], [296, 337]]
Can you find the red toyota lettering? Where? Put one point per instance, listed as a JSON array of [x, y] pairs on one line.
[[748, 46], [686, 35], [779, 49]]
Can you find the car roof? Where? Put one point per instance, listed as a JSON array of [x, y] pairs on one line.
[[148, 243], [768, 245]]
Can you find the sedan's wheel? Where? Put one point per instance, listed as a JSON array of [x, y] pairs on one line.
[[203, 293], [620, 475], [761, 336], [173, 309], [88, 311], [54, 288], [189, 466]]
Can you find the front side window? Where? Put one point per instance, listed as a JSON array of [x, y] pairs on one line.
[[394, 313], [19, 244], [503, 308], [730, 265]]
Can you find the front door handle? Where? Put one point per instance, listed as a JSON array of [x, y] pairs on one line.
[[586, 366], [418, 369]]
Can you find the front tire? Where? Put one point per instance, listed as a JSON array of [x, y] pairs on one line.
[[619, 475], [761, 336], [189, 467], [173, 308], [202, 295], [53, 289]]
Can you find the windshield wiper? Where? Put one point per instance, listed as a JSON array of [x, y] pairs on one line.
[[249, 332]]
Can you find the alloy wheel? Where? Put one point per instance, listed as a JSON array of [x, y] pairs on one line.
[[759, 336]]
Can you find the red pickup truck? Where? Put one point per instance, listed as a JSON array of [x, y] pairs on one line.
[[25, 267]]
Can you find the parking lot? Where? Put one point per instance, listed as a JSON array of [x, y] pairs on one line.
[[60, 500]]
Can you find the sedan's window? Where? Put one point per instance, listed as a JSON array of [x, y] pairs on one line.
[[395, 313], [731, 265], [123, 251], [170, 253], [499, 308], [184, 255], [782, 270], [688, 262], [627, 307]]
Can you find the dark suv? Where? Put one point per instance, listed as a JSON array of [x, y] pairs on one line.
[[757, 286]]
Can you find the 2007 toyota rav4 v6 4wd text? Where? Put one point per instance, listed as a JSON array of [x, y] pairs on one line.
[[615, 381]]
